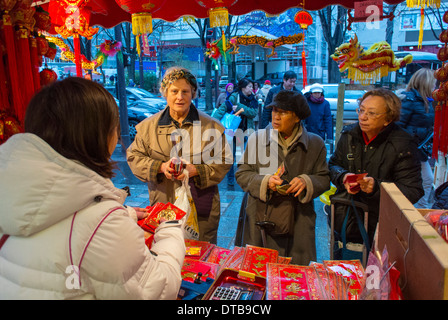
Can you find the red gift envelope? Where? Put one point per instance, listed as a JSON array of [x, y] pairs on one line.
[[192, 269], [167, 211], [355, 177], [352, 271], [218, 255], [256, 258]]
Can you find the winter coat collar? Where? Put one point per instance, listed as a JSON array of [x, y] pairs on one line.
[[166, 119], [303, 139], [355, 131]]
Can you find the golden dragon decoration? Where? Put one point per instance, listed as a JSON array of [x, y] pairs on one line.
[[370, 65]]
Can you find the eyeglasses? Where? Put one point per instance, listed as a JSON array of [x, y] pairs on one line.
[[369, 114]]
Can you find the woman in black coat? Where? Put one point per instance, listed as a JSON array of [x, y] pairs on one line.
[[377, 146]]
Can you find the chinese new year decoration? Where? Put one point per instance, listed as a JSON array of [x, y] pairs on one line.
[[367, 66], [22, 52], [73, 18], [108, 48], [422, 4], [440, 95], [219, 48], [47, 76], [141, 11], [303, 19], [217, 11]]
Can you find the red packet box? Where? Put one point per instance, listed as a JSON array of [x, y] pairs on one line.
[[292, 282], [284, 260], [256, 258], [352, 271], [218, 255], [234, 259]]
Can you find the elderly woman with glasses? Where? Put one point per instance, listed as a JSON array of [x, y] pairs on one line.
[[378, 147]]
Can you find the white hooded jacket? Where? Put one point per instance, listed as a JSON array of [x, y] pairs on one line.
[[40, 193]]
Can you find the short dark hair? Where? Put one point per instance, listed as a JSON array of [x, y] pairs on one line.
[[243, 83], [76, 117], [289, 75]]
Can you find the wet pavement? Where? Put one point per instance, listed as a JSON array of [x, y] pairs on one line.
[[231, 198]]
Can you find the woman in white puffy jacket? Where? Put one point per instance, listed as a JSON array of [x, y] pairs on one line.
[[70, 236]]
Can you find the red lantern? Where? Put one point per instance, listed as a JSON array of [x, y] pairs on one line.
[[441, 74], [42, 17], [304, 19], [141, 11], [442, 54], [42, 45], [51, 52], [47, 76], [217, 11], [439, 95], [443, 36]]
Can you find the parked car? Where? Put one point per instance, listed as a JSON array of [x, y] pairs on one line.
[[223, 81], [350, 100], [141, 105], [138, 94], [276, 78]]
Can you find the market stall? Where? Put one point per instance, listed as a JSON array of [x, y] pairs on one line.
[[261, 273]]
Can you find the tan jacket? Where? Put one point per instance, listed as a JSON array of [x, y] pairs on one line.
[[152, 146]]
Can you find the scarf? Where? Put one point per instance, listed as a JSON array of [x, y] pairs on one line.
[[285, 144], [249, 101], [318, 101]]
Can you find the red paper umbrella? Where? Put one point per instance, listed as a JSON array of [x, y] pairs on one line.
[[141, 11], [217, 11]]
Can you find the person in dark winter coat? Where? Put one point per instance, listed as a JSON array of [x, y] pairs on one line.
[[241, 102], [375, 145], [441, 197], [289, 83], [320, 121], [296, 157], [417, 118]]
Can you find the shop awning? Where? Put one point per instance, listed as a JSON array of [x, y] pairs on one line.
[[107, 13]]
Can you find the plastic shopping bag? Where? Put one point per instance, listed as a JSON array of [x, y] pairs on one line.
[[231, 123], [184, 201]]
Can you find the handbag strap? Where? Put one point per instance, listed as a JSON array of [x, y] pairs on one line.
[[361, 227], [3, 240], [78, 271]]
